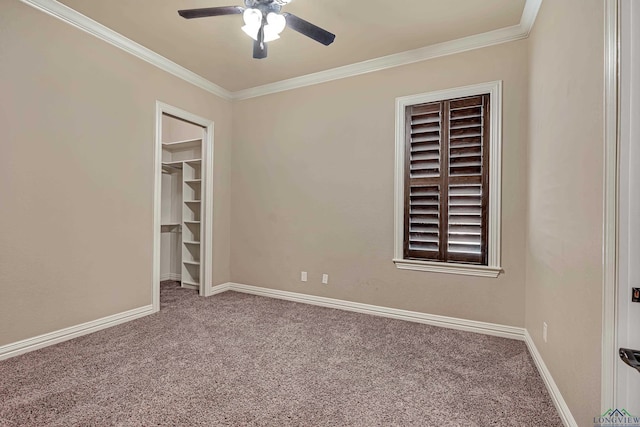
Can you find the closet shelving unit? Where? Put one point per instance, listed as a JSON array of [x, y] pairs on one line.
[[184, 159]]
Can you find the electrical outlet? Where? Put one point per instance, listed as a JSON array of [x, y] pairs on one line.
[[325, 279], [544, 331], [303, 276]]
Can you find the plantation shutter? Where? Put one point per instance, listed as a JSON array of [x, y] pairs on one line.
[[446, 180]]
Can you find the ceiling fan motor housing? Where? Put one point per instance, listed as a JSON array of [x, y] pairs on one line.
[[265, 6]]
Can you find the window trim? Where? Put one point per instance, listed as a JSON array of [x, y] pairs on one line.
[[493, 267]]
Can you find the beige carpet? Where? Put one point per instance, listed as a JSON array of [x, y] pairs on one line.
[[242, 360]]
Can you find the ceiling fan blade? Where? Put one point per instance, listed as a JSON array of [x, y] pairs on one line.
[[308, 29], [210, 11], [259, 46]]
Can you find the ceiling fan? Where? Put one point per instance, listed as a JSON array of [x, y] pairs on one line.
[[264, 22]]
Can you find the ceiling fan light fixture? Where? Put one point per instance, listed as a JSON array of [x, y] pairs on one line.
[[276, 22], [275, 25], [252, 17], [264, 22], [251, 31], [270, 36], [253, 20]]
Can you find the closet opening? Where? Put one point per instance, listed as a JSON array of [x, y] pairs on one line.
[[182, 202]]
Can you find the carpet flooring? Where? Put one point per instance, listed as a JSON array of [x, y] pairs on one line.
[[241, 360]]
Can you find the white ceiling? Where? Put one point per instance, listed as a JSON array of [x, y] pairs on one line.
[[216, 48]]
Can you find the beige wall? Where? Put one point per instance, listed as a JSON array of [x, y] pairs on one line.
[[312, 181], [564, 251], [76, 174], [312, 176]]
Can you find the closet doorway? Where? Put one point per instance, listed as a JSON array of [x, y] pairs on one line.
[[183, 201]]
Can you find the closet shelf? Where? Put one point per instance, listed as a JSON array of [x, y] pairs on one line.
[[169, 168], [170, 228], [182, 145], [182, 159], [178, 164]]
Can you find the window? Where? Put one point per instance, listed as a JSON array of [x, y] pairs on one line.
[[448, 181]]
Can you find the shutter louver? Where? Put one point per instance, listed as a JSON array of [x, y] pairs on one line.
[[446, 189], [466, 203], [425, 141], [424, 218], [465, 219], [465, 137]]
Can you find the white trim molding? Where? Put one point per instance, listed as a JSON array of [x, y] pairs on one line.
[[493, 329], [552, 387], [393, 313], [214, 290], [171, 276], [30, 344], [51, 338], [88, 25], [447, 267], [529, 15], [485, 328], [610, 203], [207, 188], [493, 269], [502, 35], [477, 41]]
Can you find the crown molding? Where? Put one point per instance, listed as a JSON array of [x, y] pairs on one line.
[[84, 23], [477, 41], [491, 38], [529, 15]]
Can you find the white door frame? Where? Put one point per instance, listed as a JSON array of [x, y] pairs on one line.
[[614, 327], [207, 225], [611, 201]]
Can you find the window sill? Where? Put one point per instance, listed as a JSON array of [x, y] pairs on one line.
[[449, 268]]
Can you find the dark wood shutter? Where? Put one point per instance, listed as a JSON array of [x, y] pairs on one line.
[[447, 180]]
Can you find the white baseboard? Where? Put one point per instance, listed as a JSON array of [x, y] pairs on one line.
[[554, 391], [394, 313], [171, 276], [30, 344], [217, 289], [430, 319], [504, 331]]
